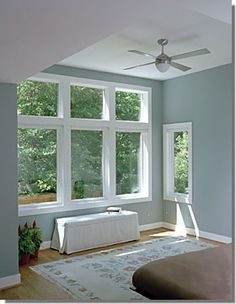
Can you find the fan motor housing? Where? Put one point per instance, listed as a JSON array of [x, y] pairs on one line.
[[163, 58]]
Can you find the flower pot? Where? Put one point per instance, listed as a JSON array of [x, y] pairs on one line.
[[24, 259], [35, 255]]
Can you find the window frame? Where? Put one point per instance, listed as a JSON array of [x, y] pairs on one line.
[[63, 123], [168, 162]]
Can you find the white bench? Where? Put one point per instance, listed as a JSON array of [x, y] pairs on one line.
[[72, 234]]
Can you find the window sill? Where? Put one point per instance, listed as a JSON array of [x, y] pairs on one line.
[[178, 198], [81, 204]]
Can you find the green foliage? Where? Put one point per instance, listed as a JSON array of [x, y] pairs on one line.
[[181, 162], [29, 239], [128, 106], [127, 156], [86, 102], [36, 161], [86, 168], [78, 189], [37, 98], [36, 236], [37, 147], [25, 242]]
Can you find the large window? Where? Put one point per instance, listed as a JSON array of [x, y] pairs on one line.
[[82, 144], [177, 142]]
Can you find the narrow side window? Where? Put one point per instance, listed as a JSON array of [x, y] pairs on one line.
[[177, 155]]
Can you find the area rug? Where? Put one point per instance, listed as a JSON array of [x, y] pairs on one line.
[[107, 275]]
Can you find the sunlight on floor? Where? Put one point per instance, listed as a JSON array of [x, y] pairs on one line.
[[165, 233], [130, 252], [194, 222], [180, 225]]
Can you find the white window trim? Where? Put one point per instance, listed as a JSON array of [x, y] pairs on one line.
[[109, 125], [168, 162]]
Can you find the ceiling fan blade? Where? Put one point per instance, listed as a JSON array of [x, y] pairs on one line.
[[191, 54], [136, 66], [181, 67], [142, 53]]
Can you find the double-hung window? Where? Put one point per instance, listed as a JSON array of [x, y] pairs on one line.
[[82, 144]]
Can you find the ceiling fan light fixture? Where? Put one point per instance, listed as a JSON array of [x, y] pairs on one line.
[[163, 67], [163, 61]]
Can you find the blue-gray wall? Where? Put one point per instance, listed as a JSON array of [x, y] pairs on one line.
[[206, 99], [8, 181], [149, 212]]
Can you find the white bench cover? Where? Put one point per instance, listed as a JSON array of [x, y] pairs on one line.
[[72, 234]]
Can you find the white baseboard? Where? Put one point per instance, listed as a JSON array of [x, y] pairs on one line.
[[45, 245], [210, 236], [150, 226], [203, 234], [169, 226], [9, 281]]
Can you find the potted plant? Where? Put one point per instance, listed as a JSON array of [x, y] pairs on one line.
[[25, 244], [36, 235]]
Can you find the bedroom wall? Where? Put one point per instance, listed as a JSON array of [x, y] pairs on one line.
[[8, 181], [149, 212], [205, 98]]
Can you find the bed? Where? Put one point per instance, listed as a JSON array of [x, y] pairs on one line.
[[199, 275]]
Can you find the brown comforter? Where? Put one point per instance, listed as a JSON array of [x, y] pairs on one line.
[[201, 275]]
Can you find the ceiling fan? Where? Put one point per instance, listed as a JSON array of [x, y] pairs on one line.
[[163, 61]]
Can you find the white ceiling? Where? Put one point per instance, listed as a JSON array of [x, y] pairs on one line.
[[36, 34], [187, 27]]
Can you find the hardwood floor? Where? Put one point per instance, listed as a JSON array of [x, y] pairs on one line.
[[35, 287]]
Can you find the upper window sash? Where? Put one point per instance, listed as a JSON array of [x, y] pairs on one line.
[[109, 88]]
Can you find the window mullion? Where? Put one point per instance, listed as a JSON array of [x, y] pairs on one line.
[[112, 146], [131, 126], [145, 155], [105, 164], [59, 166], [66, 142], [172, 164], [106, 104], [190, 161]]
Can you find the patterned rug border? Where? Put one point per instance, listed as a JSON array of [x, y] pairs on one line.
[[123, 246], [106, 252]]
